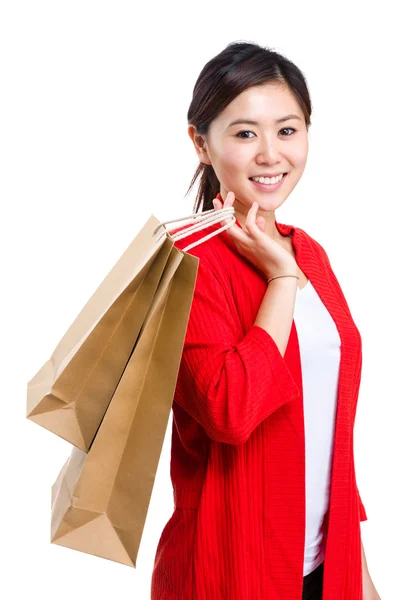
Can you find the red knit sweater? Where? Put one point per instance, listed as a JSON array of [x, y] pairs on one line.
[[238, 449]]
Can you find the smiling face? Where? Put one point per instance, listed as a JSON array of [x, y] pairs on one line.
[[240, 151]]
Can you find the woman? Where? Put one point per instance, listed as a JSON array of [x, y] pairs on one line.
[[262, 466]]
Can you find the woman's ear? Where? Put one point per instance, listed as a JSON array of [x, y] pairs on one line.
[[200, 144]]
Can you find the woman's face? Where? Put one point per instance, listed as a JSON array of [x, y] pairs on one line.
[[238, 152]]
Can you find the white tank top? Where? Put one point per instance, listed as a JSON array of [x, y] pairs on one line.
[[319, 343]]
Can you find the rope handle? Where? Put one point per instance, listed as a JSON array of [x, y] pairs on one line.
[[202, 220]]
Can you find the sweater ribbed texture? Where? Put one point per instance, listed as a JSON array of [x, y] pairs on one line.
[[238, 449]]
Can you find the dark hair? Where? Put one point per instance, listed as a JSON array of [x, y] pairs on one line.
[[239, 66]]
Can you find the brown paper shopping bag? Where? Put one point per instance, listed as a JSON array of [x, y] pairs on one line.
[[100, 499], [70, 393]]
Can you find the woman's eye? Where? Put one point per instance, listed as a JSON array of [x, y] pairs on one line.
[[246, 138], [240, 132], [287, 128]]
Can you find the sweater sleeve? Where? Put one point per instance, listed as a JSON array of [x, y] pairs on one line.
[[229, 382]]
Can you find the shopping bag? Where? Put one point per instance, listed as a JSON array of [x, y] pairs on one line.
[[100, 499], [70, 393]]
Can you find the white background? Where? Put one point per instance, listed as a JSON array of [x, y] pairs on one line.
[[94, 140]]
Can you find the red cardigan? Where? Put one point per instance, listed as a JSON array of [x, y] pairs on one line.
[[238, 449]]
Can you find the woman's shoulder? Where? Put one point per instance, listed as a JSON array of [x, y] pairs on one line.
[[305, 238]]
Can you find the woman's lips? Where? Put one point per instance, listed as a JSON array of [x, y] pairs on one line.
[[268, 187]]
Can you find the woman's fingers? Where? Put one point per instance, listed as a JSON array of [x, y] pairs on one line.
[[227, 202], [252, 221], [251, 226], [251, 215], [217, 204]]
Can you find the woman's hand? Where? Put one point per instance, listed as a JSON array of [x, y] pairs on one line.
[[256, 245]]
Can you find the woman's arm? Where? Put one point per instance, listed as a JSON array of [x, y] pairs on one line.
[[275, 314], [230, 381]]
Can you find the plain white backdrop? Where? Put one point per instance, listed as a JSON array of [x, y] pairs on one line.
[[94, 140]]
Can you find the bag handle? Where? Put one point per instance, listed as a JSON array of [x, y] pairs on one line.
[[202, 220]]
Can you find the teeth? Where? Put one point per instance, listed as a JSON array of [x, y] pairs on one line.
[[268, 180]]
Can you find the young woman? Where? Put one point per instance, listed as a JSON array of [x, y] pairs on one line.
[[266, 501]]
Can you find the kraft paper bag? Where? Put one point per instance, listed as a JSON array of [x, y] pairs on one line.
[[100, 499], [70, 393]]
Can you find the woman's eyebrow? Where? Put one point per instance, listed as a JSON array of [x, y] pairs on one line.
[[250, 122]]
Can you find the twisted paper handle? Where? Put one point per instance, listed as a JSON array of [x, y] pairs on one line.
[[202, 220]]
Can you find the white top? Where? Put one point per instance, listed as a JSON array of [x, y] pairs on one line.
[[319, 343]]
